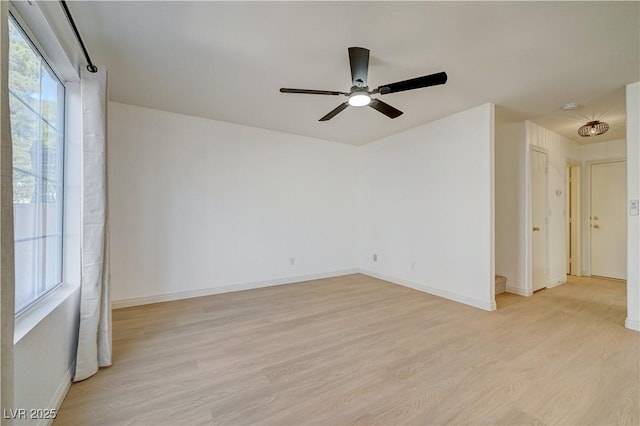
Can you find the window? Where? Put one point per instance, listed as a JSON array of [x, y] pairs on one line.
[[36, 102]]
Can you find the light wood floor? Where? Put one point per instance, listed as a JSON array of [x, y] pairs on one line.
[[357, 350]]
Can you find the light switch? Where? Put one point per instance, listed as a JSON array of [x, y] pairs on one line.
[[633, 208]]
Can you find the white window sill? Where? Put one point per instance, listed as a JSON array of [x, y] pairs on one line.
[[32, 316]]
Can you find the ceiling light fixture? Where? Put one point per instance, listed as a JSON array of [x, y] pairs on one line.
[[570, 106], [593, 128], [359, 99]]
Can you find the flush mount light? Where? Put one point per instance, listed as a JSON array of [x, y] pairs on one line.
[[359, 99], [570, 106], [593, 128]]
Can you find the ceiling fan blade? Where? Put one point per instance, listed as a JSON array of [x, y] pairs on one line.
[[335, 112], [359, 61], [385, 108], [311, 91], [414, 83]]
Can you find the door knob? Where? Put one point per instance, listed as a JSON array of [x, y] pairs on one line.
[[535, 228], [596, 226]]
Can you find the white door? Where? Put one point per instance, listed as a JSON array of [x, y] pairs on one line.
[[539, 246], [609, 219]]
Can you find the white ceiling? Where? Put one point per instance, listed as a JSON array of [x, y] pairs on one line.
[[610, 108], [227, 60]]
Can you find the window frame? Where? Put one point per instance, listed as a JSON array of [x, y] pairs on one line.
[[42, 292]]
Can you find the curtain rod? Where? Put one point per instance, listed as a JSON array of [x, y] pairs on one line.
[[91, 67]]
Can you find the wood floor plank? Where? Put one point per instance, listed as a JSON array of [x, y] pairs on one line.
[[359, 350]]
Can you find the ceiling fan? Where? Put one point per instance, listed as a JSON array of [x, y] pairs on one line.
[[360, 95]]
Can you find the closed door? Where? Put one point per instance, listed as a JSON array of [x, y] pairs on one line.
[[539, 234], [609, 219]]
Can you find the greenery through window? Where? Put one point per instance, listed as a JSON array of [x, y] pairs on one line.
[[36, 102]]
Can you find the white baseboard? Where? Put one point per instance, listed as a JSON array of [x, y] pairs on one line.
[[632, 324], [517, 290], [60, 394], [557, 282], [167, 297], [476, 303]]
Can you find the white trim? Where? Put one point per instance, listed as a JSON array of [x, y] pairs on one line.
[[529, 216], [28, 319], [576, 190], [61, 393], [556, 283], [476, 303], [585, 221], [587, 199], [34, 22], [518, 290], [168, 297], [632, 324], [492, 186]]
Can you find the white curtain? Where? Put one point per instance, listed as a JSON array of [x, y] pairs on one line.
[[94, 338]]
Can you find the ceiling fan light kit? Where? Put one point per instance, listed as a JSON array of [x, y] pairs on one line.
[[593, 128], [359, 99], [360, 95]]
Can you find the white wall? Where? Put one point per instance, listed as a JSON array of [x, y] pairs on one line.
[[426, 207], [44, 358], [633, 193], [560, 150], [510, 168], [604, 150], [198, 206]]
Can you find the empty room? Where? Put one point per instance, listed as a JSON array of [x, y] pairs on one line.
[[329, 213]]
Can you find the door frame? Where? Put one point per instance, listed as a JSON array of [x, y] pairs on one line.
[[528, 218], [586, 223], [576, 265]]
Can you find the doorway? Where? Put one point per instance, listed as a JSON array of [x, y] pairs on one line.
[[608, 219], [539, 219]]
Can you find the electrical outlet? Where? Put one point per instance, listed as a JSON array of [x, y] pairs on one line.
[[375, 257], [413, 265], [633, 207], [292, 261]]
